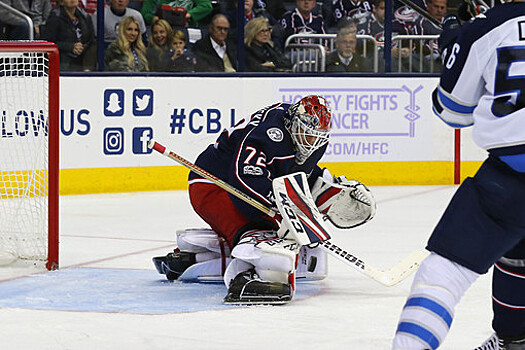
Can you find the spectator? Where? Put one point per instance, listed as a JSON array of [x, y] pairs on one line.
[[261, 55], [127, 53], [71, 29], [89, 7], [358, 10], [300, 21], [159, 45], [113, 14], [250, 12], [416, 24], [15, 27], [374, 25], [196, 10], [214, 52], [347, 22], [345, 58], [438, 10], [179, 58], [275, 8]]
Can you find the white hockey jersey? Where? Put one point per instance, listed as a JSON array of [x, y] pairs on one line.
[[483, 80]]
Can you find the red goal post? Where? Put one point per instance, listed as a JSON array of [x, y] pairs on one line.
[[29, 110]]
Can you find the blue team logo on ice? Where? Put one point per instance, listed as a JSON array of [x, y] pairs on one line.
[[143, 102], [114, 103], [113, 141], [141, 136]]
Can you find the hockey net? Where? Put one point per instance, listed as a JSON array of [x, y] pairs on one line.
[[29, 133]]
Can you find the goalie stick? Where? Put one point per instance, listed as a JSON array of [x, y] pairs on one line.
[[389, 277]]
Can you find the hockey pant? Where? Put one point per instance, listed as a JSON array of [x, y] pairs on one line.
[[215, 207]]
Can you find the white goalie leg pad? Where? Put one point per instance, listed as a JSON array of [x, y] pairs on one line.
[[312, 264], [205, 271], [204, 242], [427, 315], [272, 257], [212, 254]]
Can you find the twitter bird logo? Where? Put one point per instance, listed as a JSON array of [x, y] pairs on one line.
[[143, 103]]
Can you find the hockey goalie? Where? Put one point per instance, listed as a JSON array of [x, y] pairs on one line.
[[272, 157]]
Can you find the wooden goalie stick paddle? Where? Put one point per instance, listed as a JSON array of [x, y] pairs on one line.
[[389, 277]]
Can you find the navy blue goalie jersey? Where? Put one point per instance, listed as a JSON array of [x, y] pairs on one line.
[[251, 154], [483, 80]]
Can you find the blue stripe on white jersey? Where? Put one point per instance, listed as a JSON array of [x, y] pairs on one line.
[[483, 81], [455, 107], [451, 111]]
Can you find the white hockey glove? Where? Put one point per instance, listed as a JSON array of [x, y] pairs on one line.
[[345, 203]]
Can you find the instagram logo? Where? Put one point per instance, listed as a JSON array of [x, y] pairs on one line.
[[113, 141]]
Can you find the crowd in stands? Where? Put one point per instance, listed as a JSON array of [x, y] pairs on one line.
[[201, 35]]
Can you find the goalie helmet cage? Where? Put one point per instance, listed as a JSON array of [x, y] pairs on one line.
[[29, 152]]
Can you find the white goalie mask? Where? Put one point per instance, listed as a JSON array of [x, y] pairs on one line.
[[309, 122]]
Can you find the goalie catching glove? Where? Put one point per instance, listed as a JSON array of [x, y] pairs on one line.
[[345, 203]]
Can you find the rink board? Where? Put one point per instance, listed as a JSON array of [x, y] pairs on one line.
[[383, 129], [118, 290]]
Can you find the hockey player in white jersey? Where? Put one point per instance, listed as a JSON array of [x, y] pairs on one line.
[[483, 85]]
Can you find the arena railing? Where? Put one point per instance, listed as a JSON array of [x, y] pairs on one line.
[[328, 40], [424, 57], [307, 57], [26, 18]]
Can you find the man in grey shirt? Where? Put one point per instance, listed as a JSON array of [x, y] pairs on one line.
[[113, 14]]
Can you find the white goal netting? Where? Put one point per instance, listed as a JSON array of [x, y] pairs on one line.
[[24, 164]]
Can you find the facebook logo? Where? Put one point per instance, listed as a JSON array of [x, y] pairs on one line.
[[141, 137], [113, 141], [113, 103], [143, 102]]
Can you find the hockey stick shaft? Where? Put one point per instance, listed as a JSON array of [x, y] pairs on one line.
[[225, 186], [387, 278]]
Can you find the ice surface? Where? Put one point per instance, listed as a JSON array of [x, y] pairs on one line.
[[108, 295]]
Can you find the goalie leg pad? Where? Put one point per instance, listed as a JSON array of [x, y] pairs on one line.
[[272, 257], [312, 264], [194, 246], [199, 240]]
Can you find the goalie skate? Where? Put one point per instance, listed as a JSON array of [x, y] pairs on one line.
[[248, 289], [174, 264]]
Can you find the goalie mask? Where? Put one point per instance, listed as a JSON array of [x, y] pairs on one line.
[[308, 122]]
